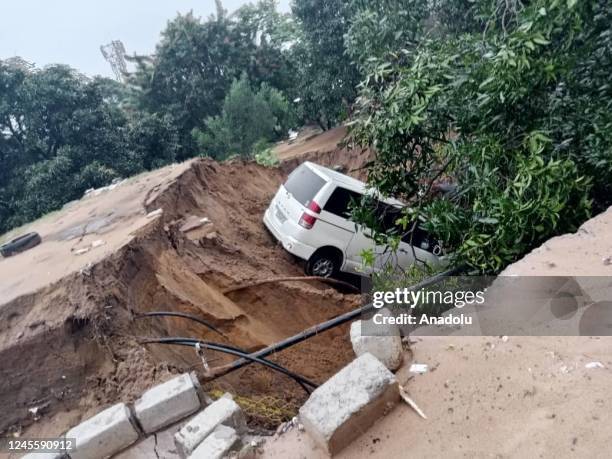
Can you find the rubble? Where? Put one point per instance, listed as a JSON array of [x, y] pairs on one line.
[[224, 411], [216, 445]]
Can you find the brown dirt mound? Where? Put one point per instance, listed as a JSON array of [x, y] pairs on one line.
[[70, 348]]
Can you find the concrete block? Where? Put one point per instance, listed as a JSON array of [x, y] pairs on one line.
[[103, 435], [387, 348], [216, 446], [223, 411], [167, 403], [349, 403]]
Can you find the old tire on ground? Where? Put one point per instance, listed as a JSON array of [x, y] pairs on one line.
[[20, 244], [323, 263]]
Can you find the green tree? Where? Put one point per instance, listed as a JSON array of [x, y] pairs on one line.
[[514, 114], [326, 77], [197, 60], [63, 133], [247, 117]]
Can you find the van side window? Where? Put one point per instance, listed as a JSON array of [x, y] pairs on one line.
[[304, 184], [340, 200], [388, 215]]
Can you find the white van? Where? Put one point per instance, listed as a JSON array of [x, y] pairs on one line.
[[310, 216]]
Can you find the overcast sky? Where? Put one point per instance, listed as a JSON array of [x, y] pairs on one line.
[[71, 31]]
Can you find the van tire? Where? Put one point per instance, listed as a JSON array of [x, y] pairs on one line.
[[20, 244], [324, 263]]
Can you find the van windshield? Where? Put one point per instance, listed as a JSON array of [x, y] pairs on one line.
[[304, 184]]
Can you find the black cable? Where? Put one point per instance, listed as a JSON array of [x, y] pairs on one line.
[[180, 314], [303, 382]]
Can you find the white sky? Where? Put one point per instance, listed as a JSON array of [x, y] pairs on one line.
[[71, 31]]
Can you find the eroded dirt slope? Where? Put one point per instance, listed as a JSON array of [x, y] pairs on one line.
[[69, 343]]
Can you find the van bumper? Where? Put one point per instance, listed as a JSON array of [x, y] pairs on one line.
[[290, 244]]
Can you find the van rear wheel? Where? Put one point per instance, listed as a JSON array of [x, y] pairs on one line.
[[323, 264]]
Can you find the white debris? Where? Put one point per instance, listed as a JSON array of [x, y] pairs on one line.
[[592, 365], [81, 251], [419, 368], [97, 243], [155, 213], [412, 403]]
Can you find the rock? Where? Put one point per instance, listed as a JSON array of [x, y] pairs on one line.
[[216, 446], [351, 401], [103, 435], [166, 403]]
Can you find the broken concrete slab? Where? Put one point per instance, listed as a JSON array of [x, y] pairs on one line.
[[103, 435], [167, 403], [387, 348], [223, 411], [218, 444], [349, 403]]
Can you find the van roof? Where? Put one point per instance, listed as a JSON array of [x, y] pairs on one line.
[[350, 183]]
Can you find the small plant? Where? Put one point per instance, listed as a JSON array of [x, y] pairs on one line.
[[267, 158]]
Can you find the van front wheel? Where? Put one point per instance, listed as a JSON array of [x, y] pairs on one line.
[[323, 264]]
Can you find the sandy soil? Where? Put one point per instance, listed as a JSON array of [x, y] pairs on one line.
[[488, 397]]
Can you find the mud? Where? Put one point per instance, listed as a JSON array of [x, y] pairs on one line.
[[71, 347]]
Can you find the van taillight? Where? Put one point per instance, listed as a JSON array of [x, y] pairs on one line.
[[314, 207], [306, 220]]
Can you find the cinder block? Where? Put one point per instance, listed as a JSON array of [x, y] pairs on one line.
[[103, 435], [386, 347], [166, 403], [216, 446], [349, 403], [223, 411]]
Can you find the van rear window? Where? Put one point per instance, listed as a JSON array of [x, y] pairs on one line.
[[304, 184]]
